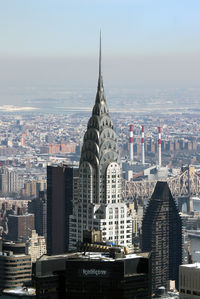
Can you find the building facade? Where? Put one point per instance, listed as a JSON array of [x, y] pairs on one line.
[[15, 247], [94, 275], [189, 281], [162, 235], [10, 181], [61, 189], [15, 270], [100, 204], [38, 207], [19, 226], [32, 188], [35, 246]]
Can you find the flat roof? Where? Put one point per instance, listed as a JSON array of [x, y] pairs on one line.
[[105, 256], [25, 215], [21, 291], [10, 253], [194, 266]]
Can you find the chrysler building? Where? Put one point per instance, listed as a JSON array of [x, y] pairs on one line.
[[99, 204]]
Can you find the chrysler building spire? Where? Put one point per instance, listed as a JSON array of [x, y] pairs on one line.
[[100, 97], [100, 56], [100, 194]]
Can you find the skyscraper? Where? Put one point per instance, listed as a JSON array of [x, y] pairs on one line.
[[162, 235], [61, 186], [100, 204], [38, 207]]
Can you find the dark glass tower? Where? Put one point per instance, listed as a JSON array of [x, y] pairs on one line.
[[38, 206], [162, 235], [61, 186]]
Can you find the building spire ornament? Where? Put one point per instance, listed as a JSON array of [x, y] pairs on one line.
[[100, 55], [100, 97], [100, 178]]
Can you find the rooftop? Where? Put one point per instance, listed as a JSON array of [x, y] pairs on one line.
[[194, 266], [21, 291], [103, 256], [25, 215]]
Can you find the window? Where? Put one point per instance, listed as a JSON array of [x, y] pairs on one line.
[[188, 292]]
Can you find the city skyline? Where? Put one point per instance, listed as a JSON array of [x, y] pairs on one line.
[[99, 204]]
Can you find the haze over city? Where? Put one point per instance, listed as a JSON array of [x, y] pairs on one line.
[[99, 149], [49, 51]]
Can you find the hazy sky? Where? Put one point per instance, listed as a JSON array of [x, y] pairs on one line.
[[145, 43], [64, 27]]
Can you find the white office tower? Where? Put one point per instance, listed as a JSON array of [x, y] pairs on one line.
[[100, 204]]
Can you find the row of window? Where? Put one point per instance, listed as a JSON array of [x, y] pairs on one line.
[[17, 260], [115, 222], [196, 293], [114, 201], [121, 242], [21, 277], [17, 265]]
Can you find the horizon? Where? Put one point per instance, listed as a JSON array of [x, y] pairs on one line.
[[47, 48]]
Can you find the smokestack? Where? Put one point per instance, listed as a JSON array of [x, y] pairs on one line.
[[159, 146], [131, 143], [142, 143]]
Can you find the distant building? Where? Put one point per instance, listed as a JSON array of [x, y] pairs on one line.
[[64, 148], [15, 270], [61, 189], [23, 140], [10, 181], [94, 275], [19, 226], [31, 189], [162, 236], [68, 147], [35, 246], [189, 281]]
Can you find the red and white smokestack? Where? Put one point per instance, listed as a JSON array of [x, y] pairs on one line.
[[142, 143], [131, 143], [159, 146]]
